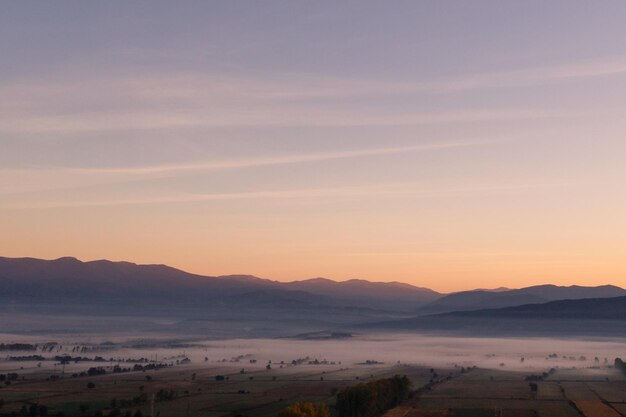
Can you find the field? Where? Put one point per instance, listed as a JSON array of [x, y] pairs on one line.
[[573, 392], [256, 392], [239, 385], [260, 377]]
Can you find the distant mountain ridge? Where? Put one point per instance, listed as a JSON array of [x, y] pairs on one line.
[[613, 308], [103, 280], [118, 295], [587, 316], [486, 299], [392, 295], [69, 277]]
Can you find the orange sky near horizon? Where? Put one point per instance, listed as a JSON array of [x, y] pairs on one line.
[[431, 244]]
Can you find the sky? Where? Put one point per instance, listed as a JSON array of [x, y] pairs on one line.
[[448, 144]]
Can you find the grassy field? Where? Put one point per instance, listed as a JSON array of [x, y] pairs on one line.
[[469, 380], [584, 392], [195, 390]]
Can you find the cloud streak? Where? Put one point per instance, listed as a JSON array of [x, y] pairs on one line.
[[275, 160], [173, 100], [29, 180], [413, 189], [206, 117]]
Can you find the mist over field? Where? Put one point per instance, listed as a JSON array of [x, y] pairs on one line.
[[156, 374], [386, 349]]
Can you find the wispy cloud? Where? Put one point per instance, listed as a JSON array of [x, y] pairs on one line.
[[531, 76], [205, 116], [415, 190], [20, 181], [265, 161], [267, 87], [80, 103]]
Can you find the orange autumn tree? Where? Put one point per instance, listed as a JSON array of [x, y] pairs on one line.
[[305, 409]]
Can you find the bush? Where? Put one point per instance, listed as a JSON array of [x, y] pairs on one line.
[[305, 409]]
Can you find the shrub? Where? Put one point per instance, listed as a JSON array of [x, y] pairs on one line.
[[305, 409]]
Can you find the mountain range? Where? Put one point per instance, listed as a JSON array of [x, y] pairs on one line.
[[588, 316], [485, 299], [104, 281], [164, 298]]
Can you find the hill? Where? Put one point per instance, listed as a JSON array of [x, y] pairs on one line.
[[67, 294], [106, 281], [483, 299], [385, 295], [592, 317], [582, 309], [168, 299]]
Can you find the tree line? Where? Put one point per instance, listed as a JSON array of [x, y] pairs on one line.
[[364, 400]]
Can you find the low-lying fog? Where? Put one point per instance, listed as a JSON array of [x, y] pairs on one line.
[[431, 351]]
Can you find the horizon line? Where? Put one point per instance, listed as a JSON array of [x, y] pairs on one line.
[[227, 276]]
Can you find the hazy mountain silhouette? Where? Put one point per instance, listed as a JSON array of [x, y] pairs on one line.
[[589, 308], [392, 295], [588, 316], [484, 299], [69, 295], [95, 281], [103, 281]]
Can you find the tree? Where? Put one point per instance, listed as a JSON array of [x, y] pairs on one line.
[[372, 398], [305, 409]]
